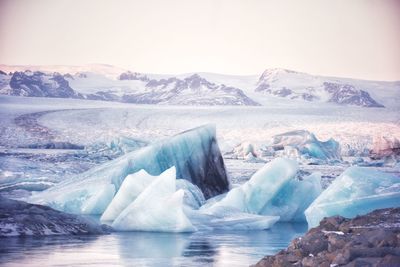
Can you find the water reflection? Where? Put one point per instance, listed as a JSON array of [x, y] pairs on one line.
[[218, 248]]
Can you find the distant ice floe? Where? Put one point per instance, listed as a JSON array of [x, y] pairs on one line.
[[357, 191], [300, 145], [304, 146]]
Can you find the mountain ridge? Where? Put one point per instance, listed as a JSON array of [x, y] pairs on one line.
[[109, 83]]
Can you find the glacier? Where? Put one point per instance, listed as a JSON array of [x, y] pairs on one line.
[[305, 146], [158, 208], [273, 190], [194, 153], [357, 191]]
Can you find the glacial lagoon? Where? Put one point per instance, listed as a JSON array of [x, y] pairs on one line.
[[211, 248]]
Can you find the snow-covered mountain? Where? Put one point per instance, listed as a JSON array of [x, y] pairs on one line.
[[108, 83], [129, 87], [36, 84], [192, 90], [297, 85]]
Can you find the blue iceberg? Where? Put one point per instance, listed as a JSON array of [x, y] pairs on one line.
[[294, 198], [273, 191], [194, 153], [356, 192]]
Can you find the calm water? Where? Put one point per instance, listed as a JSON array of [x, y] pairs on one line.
[[149, 249]]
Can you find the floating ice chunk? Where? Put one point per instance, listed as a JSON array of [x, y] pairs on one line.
[[158, 208], [306, 145], [262, 187], [356, 192], [193, 196], [194, 153], [228, 218], [294, 198], [130, 189], [97, 203], [244, 149], [231, 219]]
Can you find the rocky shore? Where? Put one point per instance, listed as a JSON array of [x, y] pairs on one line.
[[369, 240]]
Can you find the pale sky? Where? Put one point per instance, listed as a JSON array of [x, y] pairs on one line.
[[357, 38]]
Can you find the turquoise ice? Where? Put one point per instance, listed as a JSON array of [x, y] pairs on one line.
[[356, 191]]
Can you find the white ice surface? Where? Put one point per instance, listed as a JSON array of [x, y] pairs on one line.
[[158, 208]]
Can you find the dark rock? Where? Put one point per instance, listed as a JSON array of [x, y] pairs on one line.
[[312, 261], [332, 223], [18, 218], [336, 242], [313, 243], [363, 262], [369, 240], [389, 261]]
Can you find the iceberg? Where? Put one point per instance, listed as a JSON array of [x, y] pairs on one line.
[[131, 187], [244, 149], [294, 198], [303, 144], [194, 153], [273, 190], [193, 197], [356, 191], [254, 194], [158, 208]]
